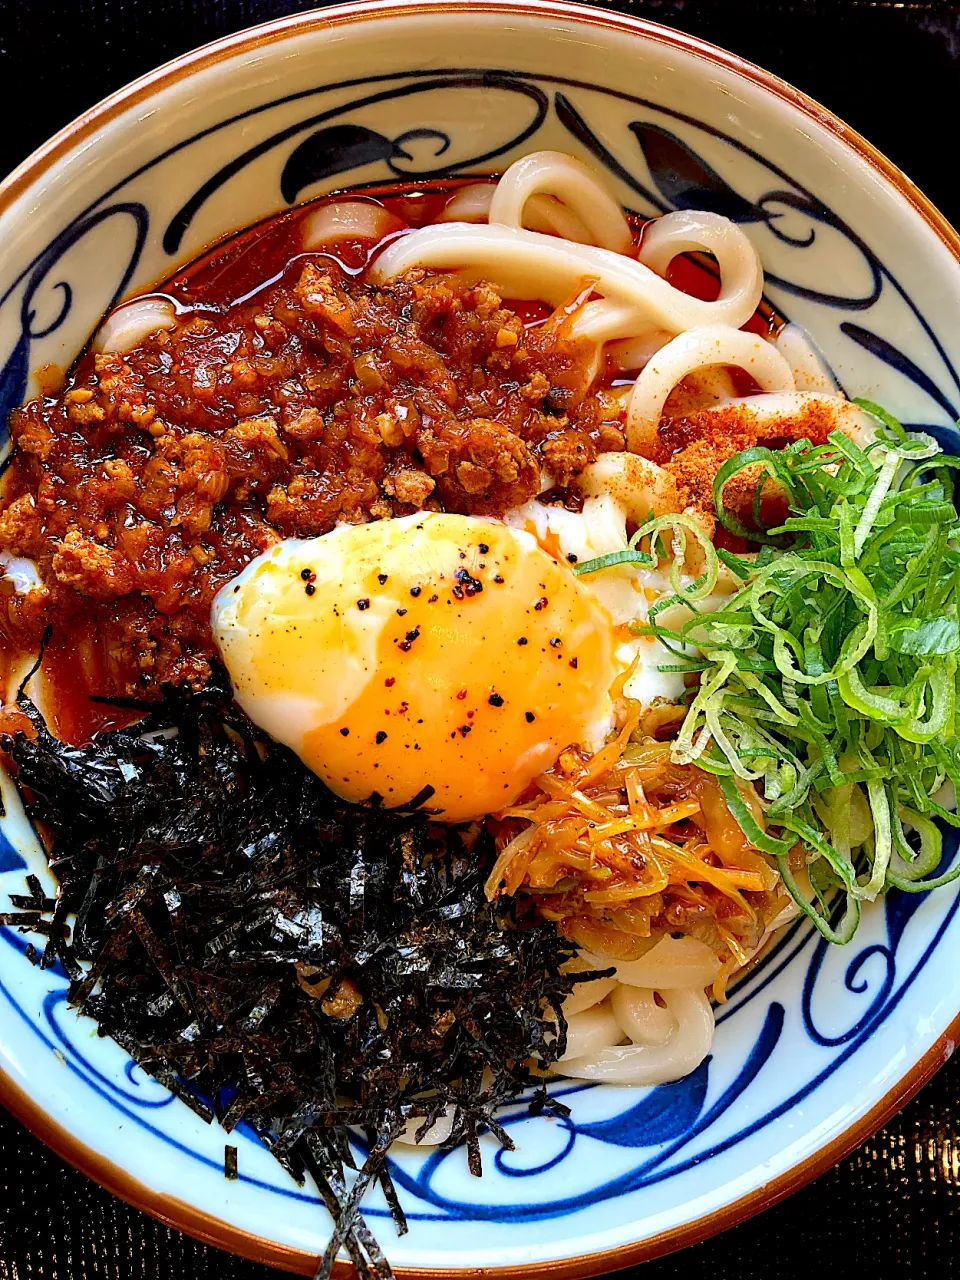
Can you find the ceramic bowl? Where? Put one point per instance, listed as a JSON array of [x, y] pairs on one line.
[[817, 1046]]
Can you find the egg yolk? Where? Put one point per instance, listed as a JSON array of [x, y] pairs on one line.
[[433, 659]]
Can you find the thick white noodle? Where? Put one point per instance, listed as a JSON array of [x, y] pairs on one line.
[[649, 1064], [554, 174], [599, 323], [631, 354], [347, 220], [621, 487], [667, 1038], [590, 1031], [689, 231], [640, 1018], [810, 371], [638, 487], [531, 266], [127, 325], [469, 204], [617, 489], [586, 994], [542, 213], [688, 352], [672, 963], [707, 388], [663, 239]]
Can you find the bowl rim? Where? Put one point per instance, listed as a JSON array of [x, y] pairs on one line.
[[184, 1217]]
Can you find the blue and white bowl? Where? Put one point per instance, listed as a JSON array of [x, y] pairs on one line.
[[817, 1046]]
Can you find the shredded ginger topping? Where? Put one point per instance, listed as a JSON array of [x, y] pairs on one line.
[[625, 846]]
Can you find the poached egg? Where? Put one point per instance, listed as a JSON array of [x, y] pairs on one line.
[[437, 659]]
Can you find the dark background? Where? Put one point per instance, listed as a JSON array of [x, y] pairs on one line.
[[893, 72]]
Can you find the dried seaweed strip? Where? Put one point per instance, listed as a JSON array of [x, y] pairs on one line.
[[23, 919], [87, 905], [389, 1190], [57, 936], [350, 1204], [36, 900], [211, 871], [360, 1243]]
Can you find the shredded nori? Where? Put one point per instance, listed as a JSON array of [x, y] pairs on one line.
[[323, 972]]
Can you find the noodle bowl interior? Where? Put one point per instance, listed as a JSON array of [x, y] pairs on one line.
[[433, 474]]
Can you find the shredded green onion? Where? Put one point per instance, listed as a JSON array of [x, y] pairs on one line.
[[829, 679], [684, 529]]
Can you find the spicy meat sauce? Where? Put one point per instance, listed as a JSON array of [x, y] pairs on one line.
[[290, 396]]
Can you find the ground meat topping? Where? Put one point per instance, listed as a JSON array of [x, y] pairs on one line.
[[156, 475]]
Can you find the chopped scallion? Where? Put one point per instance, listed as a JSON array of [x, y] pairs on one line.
[[833, 667]]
